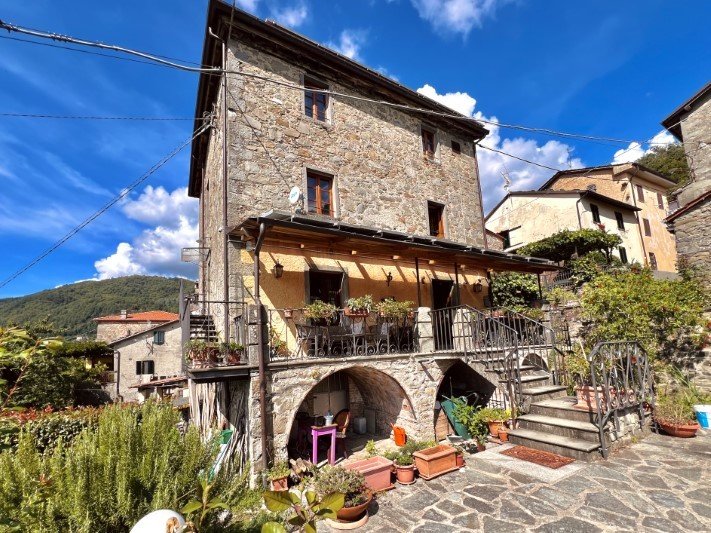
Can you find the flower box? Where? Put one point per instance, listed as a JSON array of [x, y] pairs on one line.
[[377, 471], [435, 461]]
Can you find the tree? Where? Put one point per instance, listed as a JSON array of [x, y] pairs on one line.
[[563, 245], [669, 160]]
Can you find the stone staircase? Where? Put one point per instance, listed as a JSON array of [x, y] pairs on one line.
[[202, 328]]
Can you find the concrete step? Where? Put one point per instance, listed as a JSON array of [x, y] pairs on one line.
[[560, 407], [540, 392], [532, 380], [581, 450], [525, 369], [564, 427]]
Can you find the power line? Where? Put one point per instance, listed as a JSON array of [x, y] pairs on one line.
[[90, 117], [519, 158], [124, 192]]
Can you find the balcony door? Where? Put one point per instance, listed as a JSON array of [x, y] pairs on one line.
[[442, 301], [326, 286]]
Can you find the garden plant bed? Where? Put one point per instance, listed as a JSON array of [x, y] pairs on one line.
[[547, 459]]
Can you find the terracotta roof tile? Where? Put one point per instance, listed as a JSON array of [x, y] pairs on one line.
[[145, 316]]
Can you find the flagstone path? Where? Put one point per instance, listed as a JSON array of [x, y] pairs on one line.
[[658, 484]]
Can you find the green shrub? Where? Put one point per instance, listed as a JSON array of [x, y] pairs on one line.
[[333, 479], [512, 289], [562, 246]]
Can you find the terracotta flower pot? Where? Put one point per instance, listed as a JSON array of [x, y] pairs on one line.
[[351, 514], [405, 474], [495, 426], [288, 313], [280, 484], [357, 313], [435, 461], [480, 447], [504, 435], [460, 460], [685, 431], [376, 470]]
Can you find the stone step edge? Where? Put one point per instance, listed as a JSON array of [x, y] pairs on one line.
[[588, 427], [555, 440], [544, 389]]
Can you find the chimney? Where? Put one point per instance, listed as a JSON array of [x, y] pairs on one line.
[[124, 314]]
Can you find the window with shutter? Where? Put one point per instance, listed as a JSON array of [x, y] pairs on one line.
[[435, 213], [623, 254], [640, 193], [660, 200], [158, 337], [595, 213], [315, 102], [620, 220], [647, 227], [428, 143]]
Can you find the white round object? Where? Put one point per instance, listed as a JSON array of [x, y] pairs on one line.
[[294, 195], [157, 522]]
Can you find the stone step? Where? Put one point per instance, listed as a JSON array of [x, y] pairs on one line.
[[525, 369], [539, 393], [532, 379], [560, 407], [564, 427], [581, 450]]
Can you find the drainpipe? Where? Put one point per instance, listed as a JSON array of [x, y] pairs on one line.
[[456, 282], [225, 237], [417, 275], [260, 344], [577, 210]]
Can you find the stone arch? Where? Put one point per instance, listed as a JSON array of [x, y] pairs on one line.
[[377, 388]]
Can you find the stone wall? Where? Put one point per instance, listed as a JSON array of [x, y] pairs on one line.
[[696, 130], [167, 357], [113, 331], [694, 238]]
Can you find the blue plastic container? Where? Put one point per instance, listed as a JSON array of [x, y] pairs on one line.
[[703, 418]]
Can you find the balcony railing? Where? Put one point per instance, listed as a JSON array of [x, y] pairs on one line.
[[294, 336]]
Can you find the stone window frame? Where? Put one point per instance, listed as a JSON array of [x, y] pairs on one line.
[[303, 76], [435, 158], [336, 213], [444, 217]]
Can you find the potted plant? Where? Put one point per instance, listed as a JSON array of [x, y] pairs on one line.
[[459, 455], [277, 345], [196, 353], [233, 352], [358, 496], [435, 461], [359, 307], [405, 468], [578, 368], [319, 310], [376, 470], [391, 308], [504, 434], [494, 418], [278, 476], [288, 313], [675, 416]]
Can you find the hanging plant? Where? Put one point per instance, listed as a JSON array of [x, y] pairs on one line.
[[360, 306], [319, 310]]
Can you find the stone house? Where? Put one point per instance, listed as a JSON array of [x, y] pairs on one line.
[[638, 186], [518, 218], [691, 124], [310, 189], [147, 347]]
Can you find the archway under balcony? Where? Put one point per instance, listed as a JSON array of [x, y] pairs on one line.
[[375, 400]]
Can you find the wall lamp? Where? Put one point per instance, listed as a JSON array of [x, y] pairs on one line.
[[278, 270], [388, 278], [477, 287]]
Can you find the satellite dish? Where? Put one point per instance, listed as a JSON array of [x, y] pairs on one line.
[[294, 195]]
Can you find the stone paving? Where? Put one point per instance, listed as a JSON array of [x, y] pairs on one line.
[[658, 484]]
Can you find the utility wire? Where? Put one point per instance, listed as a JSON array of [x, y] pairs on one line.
[[124, 192], [90, 117], [218, 71], [519, 158]]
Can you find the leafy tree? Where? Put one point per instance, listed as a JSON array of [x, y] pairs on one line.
[[563, 245], [513, 289], [669, 160]]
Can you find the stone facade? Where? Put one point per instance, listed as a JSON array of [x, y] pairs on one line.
[[112, 331], [167, 358], [694, 238], [696, 134]]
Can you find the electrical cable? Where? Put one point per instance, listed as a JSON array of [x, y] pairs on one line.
[[124, 192], [89, 117]]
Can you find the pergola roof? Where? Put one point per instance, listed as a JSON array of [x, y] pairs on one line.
[[325, 235]]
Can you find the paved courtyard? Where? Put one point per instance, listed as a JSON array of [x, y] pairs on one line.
[[658, 484]]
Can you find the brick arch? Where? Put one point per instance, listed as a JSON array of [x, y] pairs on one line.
[[378, 388]]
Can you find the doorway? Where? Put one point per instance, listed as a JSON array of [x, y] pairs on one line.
[[327, 287], [442, 302]]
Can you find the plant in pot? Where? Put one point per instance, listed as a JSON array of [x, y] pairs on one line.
[[333, 479], [197, 353], [391, 308], [494, 418], [359, 307], [233, 351], [405, 468], [277, 345], [675, 415], [578, 368], [278, 476], [459, 455], [319, 310]]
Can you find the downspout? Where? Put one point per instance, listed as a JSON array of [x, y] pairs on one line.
[[456, 282], [260, 344], [225, 236], [117, 369], [577, 210], [417, 275]]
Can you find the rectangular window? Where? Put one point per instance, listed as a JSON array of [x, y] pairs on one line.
[[319, 193], [435, 213], [660, 200], [428, 143], [315, 103], [456, 147], [507, 238], [623, 254], [620, 220], [595, 213], [640, 193], [647, 227], [158, 337], [652, 261], [145, 367]]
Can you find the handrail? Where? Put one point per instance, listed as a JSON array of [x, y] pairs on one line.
[[621, 378]]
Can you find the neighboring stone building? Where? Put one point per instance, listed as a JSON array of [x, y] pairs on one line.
[[113, 327], [387, 203], [691, 124], [638, 186], [523, 217]]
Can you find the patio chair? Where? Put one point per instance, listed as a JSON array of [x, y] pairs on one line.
[[342, 419]]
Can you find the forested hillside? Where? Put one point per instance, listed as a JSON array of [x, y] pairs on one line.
[[71, 307]]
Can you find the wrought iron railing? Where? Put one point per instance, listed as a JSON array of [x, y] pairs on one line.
[[621, 378], [292, 335]]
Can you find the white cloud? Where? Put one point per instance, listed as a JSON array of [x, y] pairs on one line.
[[491, 164], [155, 250], [635, 150], [349, 43], [292, 16], [456, 16], [248, 5]]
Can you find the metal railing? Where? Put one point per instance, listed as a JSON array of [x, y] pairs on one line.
[[621, 378], [292, 335]]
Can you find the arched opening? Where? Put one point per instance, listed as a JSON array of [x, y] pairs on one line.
[[374, 400], [461, 381]]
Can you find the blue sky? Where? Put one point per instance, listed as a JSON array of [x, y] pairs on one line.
[[605, 68]]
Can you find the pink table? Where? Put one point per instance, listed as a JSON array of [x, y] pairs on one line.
[[318, 431]]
